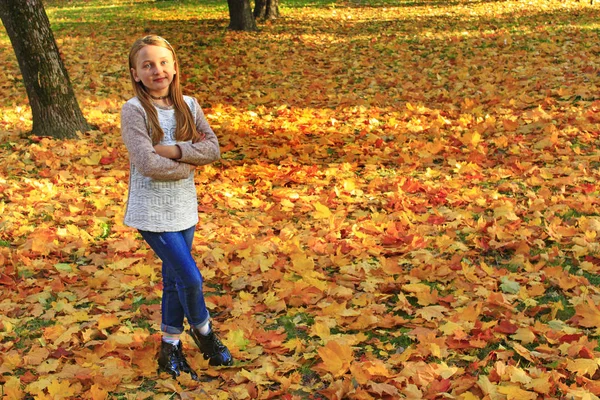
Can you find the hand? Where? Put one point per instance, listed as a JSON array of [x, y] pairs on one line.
[[168, 151]]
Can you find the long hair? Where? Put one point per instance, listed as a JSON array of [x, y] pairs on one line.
[[185, 129]]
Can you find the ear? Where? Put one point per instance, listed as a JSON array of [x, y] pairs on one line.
[[135, 75]]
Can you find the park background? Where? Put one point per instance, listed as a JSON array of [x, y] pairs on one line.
[[406, 205]]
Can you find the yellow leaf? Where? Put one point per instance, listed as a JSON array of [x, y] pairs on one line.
[[349, 185], [108, 320], [124, 245], [471, 138], [322, 211], [123, 263], [98, 393], [377, 368], [582, 366], [62, 389], [277, 152], [432, 312], [8, 326], [50, 365], [518, 375], [449, 328], [51, 333], [287, 203], [93, 159], [516, 393], [236, 338], [121, 339], [505, 210], [12, 388], [541, 385], [321, 329], [256, 376], [274, 302], [359, 374], [524, 335], [336, 358], [302, 263]]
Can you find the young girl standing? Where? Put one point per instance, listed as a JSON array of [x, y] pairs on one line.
[[167, 136]]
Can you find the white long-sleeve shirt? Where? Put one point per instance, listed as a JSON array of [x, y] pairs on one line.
[[162, 194]]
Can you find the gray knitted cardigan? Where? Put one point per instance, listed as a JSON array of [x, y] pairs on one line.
[[162, 194]]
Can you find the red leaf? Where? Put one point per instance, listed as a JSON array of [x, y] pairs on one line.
[[506, 327]]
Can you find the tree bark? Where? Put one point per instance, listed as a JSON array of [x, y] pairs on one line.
[[240, 16], [53, 104], [266, 9]]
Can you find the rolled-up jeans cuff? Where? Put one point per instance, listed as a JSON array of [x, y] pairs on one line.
[[171, 329], [201, 324]]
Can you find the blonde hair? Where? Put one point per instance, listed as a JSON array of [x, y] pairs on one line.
[[185, 129]]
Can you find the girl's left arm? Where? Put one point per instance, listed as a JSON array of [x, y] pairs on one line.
[[204, 151]]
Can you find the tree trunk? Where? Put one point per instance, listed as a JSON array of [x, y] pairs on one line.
[[266, 9], [240, 16], [54, 107]]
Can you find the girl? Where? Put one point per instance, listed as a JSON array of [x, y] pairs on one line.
[[167, 136]]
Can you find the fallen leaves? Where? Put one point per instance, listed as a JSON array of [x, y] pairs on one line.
[[406, 206]]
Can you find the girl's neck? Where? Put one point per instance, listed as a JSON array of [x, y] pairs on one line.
[[161, 101], [166, 96]]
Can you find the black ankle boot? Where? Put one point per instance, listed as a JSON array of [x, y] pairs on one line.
[[211, 347], [172, 360]]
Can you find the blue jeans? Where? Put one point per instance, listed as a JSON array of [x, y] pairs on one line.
[[182, 281]]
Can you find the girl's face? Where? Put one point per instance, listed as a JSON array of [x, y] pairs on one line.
[[155, 68]]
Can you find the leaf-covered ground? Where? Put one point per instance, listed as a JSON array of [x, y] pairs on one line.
[[407, 205]]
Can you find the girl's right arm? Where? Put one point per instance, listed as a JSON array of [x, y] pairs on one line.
[[141, 152]]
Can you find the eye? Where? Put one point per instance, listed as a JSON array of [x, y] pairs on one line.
[[164, 62]]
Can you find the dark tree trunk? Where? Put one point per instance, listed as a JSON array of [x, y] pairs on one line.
[[240, 16], [266, 9], [54, 107]]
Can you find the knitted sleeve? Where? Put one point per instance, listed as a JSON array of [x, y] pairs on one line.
[[205, 151], [141, 152]]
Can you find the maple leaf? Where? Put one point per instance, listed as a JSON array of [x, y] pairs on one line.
[[515, 392], [383, 389], [60, 389], [98, 393], [336, 358], [524, 335], [12, 388], [36, 356], [583, 366], [432, 312], [587, 314], [321, 211]]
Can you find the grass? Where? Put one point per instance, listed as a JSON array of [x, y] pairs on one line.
[[295, 326], [31, 330]]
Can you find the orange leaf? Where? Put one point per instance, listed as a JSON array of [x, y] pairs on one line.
[[98, 393], [107, 320], [336, 358], [587, 314]]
